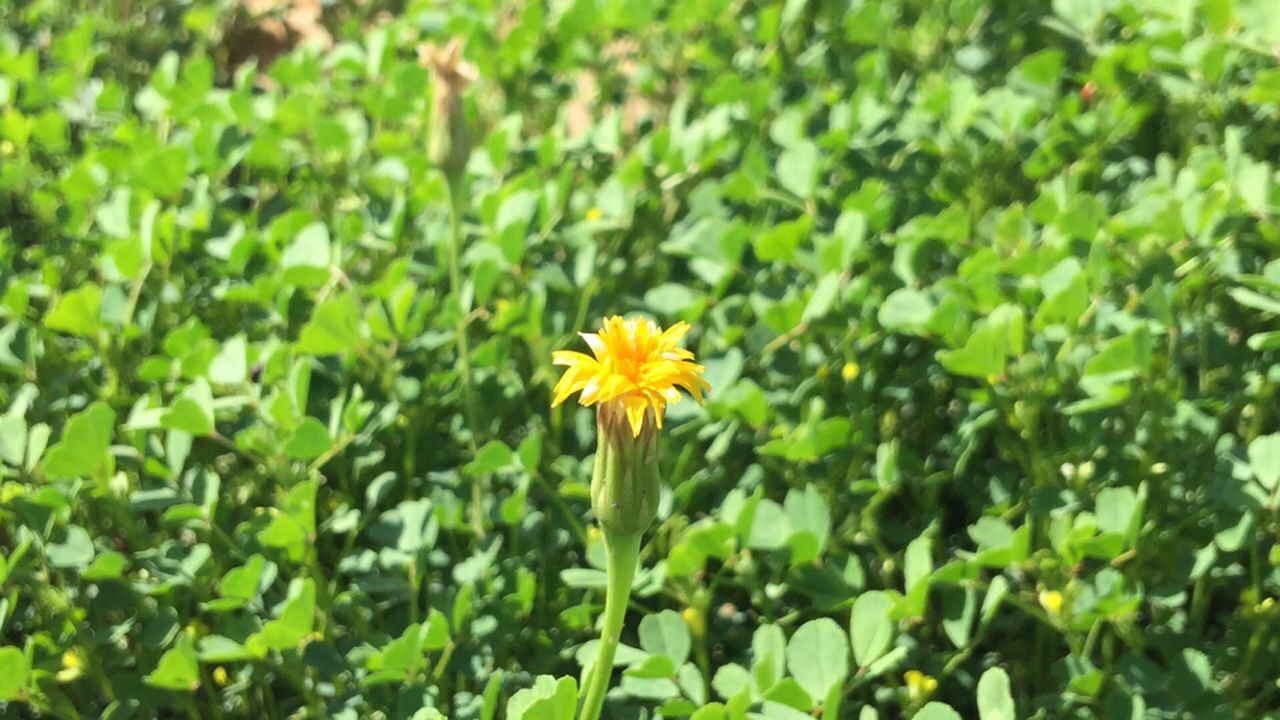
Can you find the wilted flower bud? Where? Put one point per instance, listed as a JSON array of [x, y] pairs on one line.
[[449, 142]]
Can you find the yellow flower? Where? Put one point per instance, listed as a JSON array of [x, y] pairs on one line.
[[594, 213], [636, 369], [1052, 601], [850, 371], [220, 676], [72, 665], [919, 685]]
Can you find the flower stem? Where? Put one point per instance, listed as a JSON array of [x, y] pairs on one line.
[[622, 554], [456, 207]]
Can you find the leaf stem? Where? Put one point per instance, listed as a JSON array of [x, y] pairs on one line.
[[623, 554]]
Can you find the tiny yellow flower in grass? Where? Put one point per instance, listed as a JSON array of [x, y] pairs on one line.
[[636, 371], [72, 665], [594, 213], [220, 676], [1051, 601], [697, 624], [850, 371], [919, 685]]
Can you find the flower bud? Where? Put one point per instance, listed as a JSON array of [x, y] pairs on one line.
[[449, 141], [625, 484]]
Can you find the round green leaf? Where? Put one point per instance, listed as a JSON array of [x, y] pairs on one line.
[[870, 627], [936, 711], [994, 700], [818, 656]]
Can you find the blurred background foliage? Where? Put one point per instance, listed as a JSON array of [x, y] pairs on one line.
[[987, 292]]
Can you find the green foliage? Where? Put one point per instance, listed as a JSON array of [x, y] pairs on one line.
[[988, 295]]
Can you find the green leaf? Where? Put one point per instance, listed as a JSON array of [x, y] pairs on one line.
[[788, 692], [666, 633], [936, 711], [306, 260], [548, 699], [768, 656], [782, 240], [241, 582], [981, 357], [335, 328], [1114, 509], [672, 300], [807, 512], [83, 447], [798, 169], [76, 312], [178, 669], [818, 656], [822, 299], [959, 605], [14, 671], [75, 550], [870, 627], [711, 711], [309, 440], [107, 566], [905, 309], [13, 439], [1264, 459], [294, 623], [494, 456], [437, 631], [193, 412], [994, 700], [295, 527], [231, 365], [219, 649]]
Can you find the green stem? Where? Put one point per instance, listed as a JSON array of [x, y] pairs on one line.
[[623, 554], [456, 208]]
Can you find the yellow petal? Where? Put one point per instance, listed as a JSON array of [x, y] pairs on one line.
[[569, 357], [635, 405]]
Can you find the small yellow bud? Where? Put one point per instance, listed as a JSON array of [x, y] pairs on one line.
[[220, 676], [11, 491], [694, 620], [594, 214], [1087, 470], [73, 664], [1051, 601], [823, 372], [850, 371]]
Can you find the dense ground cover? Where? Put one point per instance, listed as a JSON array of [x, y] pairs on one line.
[[987, 294]]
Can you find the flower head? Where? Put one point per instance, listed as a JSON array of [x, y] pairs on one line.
[[919, 685], [635, 366]]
